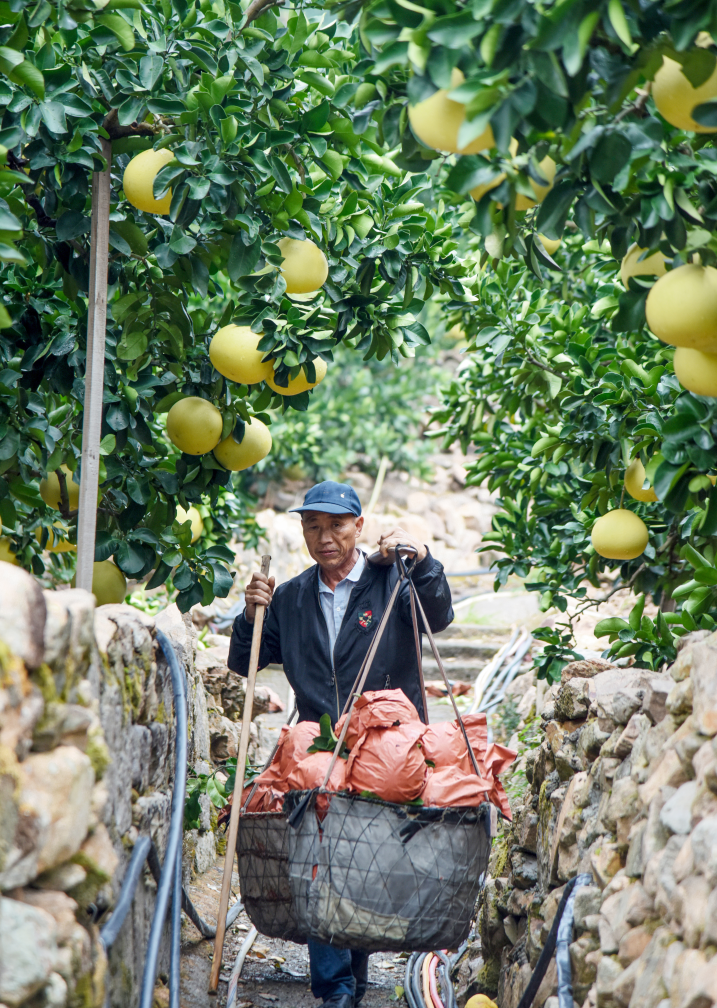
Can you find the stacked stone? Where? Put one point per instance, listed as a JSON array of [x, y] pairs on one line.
[[86, 764], [622, 783]]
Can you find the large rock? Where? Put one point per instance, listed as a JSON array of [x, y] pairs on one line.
[[704, 685], [676, 814], [22, 614], [58, 786], [69, 636], [55, 802], [28, 941], [703, 842], [573, 700]]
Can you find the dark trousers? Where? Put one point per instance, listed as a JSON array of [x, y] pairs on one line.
[[335, 972]]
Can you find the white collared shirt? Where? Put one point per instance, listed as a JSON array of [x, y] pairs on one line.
[[334, 603]]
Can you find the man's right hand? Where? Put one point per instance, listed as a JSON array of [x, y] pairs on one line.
[[258, 592]]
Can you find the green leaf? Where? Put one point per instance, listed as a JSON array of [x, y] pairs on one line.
[[619, 22], [690, 554], [706, 575], [71, 224], [132, 345], [610, 154], [27, 75], [53, 116], [119, 28], [635, 616], [611, 625]]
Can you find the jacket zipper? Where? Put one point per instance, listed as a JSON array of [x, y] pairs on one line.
[[335, 684]]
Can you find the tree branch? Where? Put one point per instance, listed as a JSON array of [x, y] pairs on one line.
[[257, 7], [64, 499], [298, 162], [116, 131], [544, 367], [638, 107]]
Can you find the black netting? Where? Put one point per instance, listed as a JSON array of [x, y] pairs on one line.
[[367, 874], [262, 851]]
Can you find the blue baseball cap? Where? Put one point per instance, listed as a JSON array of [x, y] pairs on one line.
[[333, 498]]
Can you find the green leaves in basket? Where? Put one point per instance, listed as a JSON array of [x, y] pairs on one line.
[[326, 740]]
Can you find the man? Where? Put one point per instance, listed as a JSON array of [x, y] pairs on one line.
[[319, 626]]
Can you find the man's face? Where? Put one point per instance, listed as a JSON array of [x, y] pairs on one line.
[[330, 538]]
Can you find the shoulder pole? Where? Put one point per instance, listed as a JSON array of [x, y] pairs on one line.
[[238, 789]]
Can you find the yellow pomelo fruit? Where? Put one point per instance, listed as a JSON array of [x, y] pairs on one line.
[[551, 245], [6, 553], [301, 382], [50, 490], [480, 1001], [255, 444], [194, 517], [480, 190], [548, 168], [681, 308], [108, 583], [631, 264], [619, 535], [634, 478], [138, 179], [194, 425], [676, 98], [437, 120], [233, 352], [696, 371], [56, 541], [305, 268]]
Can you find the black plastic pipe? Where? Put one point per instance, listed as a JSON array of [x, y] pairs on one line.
[[549, 948], [111, 929]]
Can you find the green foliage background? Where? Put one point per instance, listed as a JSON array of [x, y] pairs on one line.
[[272, 136], [298, 126], [565, 384]]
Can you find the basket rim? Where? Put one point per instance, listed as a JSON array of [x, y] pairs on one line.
[[417, 812]]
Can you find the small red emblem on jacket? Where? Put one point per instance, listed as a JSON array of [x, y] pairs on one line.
[[365, 618]]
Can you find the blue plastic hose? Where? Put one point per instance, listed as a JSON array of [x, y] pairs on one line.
[[173, 853]]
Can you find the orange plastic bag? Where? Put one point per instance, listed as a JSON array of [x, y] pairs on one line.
[[451, 786], [389, 762], [477, 731], [294, 745], [445, 746], [497, 760], [377, 709], [271, 784], [265, 799], [310, 773]]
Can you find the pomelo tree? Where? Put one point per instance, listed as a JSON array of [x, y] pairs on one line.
[[601, 120], [277, 129]]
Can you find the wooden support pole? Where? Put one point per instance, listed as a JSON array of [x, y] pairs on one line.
[[238, 789], [94, 372]]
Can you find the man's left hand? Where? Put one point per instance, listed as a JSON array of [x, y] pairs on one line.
[[399, 537]]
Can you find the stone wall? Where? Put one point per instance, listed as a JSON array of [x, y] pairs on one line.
[[86, 764], [620, 781]]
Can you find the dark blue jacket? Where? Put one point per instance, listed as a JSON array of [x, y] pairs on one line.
[[295, 636]]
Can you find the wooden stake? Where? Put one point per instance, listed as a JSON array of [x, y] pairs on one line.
[[238, 789], [94, 372]]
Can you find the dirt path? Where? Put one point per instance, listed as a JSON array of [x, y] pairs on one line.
[[275, 973]]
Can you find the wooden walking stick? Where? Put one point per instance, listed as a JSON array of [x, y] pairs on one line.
[[238, 789]]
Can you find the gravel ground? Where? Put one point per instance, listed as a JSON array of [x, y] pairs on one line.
[[276, 973]]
